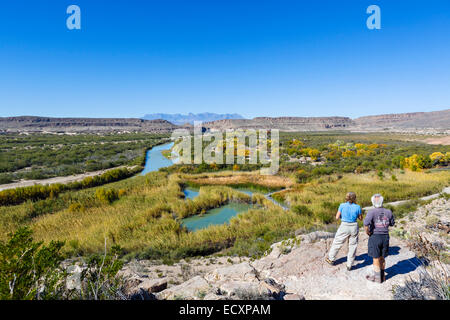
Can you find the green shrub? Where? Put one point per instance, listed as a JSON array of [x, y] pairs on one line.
[[99, 279], [302, 210], [431, 220], [106, 195], [29, 270]]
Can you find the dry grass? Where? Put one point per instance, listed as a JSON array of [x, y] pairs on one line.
[[241, 178]]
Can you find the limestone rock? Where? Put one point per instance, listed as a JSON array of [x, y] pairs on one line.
[[73, 281], [240, 272], [153, 285], [192, 289], [317, 235]]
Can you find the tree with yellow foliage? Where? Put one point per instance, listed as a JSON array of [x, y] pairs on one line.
[[437, 157], [314, 154], [418, 162], [348, 153]]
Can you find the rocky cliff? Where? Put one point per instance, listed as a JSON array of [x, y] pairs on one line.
[[416, 120], [78, 125], [284, 123], [408, 122]]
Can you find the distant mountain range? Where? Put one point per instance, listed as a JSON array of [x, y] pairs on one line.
[[178, 118], [419, 122]]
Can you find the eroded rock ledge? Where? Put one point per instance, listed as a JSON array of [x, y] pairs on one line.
[[294, 269]]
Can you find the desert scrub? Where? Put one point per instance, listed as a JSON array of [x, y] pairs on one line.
[[399, 233], [431, 220], [433, 281], [50, 155], [287, 245]]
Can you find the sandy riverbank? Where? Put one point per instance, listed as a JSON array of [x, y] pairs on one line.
[[63, 180]]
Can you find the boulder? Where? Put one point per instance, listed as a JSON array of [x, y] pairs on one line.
[[241, 289], [237, 272], [316, 235], [193, 289], [153, 285], [73, 281]]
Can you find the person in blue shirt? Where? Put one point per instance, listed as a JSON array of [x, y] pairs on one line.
[[348, 212]]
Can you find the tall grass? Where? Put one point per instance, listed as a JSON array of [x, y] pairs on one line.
[[145, 220]]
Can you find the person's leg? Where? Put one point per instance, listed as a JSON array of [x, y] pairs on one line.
[[376, 254], [382, 267], [385, 253], [376, 276], [352, 246], [377, 264], [339, 239]]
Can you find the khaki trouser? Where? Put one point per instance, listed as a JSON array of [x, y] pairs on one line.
[[346, 230]]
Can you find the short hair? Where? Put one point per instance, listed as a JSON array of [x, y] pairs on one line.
[[377, 200], [351, 196]]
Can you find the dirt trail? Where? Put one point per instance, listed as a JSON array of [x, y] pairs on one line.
[[426, 198], [63, 180]]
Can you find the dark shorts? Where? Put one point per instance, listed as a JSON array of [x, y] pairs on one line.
[[378, 245]]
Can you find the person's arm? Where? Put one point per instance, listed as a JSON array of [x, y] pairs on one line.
[[391, 220], [367, 223], [339, 212], [360, 216]]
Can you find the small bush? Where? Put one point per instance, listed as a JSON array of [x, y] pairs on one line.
[[302, 210], [99, 279], [433, 282], [76, 207], [431, 220], [106, 195], [29, 270]]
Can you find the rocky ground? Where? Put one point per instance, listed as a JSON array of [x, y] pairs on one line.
[[293, 270], [431, 221]]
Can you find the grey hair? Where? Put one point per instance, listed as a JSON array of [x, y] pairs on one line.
[[377, 200]]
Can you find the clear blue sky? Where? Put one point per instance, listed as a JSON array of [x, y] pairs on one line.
[[256, 58]]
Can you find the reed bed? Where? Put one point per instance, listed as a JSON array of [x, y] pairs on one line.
[[145, 219]]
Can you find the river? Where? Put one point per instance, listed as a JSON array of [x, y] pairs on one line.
[[155, 160]]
